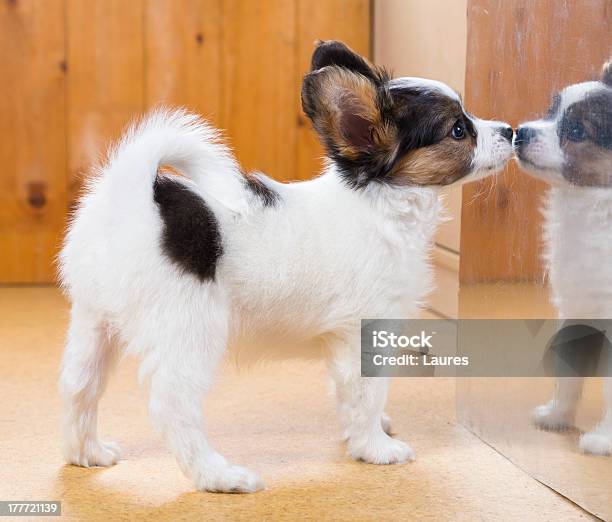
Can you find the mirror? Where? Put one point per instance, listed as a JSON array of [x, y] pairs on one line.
[[536, 242]]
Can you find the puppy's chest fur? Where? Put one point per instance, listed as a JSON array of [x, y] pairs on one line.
[[578, 240], [327, 256]]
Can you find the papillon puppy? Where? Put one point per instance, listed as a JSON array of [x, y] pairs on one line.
[[177, 269], [572, 149]]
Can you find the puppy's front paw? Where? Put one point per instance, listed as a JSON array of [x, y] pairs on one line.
[[94, 453], [595, 443], [380, 449], [219, 476], [549, 417]]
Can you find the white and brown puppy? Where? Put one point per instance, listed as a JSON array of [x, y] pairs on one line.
[[572, 149], [176, 270]]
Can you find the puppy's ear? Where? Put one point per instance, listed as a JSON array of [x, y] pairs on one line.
[[331, 52], [348, 103], [606, 73], [348, 112]]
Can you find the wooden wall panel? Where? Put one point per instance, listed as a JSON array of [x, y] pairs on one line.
[[183, 55], [259, 84], [519, 54], [105, 77], [32, 138], [346, 20], [80, 70]]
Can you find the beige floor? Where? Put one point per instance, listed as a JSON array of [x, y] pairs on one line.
[[278, 419]]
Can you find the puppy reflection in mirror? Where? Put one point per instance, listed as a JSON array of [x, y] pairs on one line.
[[572, 149]]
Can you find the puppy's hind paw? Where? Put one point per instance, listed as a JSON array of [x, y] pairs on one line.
[[94, 453], [595, 443], [381, 449], [548, 417]]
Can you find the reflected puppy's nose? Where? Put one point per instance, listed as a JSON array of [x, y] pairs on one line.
[[524, 135], [507, 132]]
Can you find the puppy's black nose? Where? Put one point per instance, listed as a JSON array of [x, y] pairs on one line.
[[524, 135], [507, 133]]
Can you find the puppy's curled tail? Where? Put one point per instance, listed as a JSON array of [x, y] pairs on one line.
[[183, 141]]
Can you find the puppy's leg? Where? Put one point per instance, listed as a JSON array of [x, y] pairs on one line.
[[559, 413], [185, 359], [385, 422], [88, 359], [599, 441], [361, 402]]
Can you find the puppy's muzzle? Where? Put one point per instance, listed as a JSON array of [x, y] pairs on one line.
[[507, 132], [524, 136]]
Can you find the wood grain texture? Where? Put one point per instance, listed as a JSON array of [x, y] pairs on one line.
[[345, 20], [81, 70], [32, 138], [259, 84], [519, 54], [183, 55], [105, 78]]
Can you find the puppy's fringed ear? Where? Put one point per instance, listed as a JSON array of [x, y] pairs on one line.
[[347, 111], [331, 52], [348, 102], [606, 73]]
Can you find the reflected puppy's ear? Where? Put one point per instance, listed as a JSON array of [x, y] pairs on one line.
[[606, 73], [348, 102]]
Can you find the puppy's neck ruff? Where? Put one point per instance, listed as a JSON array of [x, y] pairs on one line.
[[578, 250], [408, 203], [396, 211]]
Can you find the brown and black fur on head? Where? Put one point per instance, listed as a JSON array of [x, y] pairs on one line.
[[585, 133], [406, 132], [588, 156], [573, 143], [348, 101]]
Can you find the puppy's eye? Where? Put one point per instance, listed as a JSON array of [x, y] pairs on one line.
[[458, 130], [576, 132]]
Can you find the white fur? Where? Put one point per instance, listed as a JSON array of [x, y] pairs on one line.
[[491, 148], [424, 84], [578, 241], [578, 224], [308, 268]]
